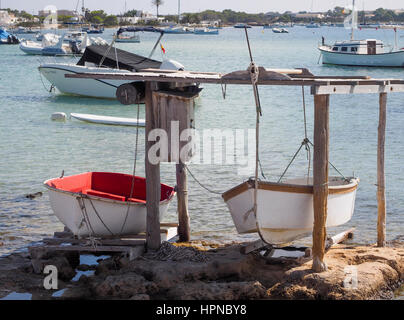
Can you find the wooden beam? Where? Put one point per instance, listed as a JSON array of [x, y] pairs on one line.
[[381, 197], [338, 238], [153, 187], [320, 179], [184, 230]]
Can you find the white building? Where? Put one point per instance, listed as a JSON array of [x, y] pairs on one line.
[[6, 18]]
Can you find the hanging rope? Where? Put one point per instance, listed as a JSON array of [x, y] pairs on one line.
[[134, 163], [200, 184], [306, 143]]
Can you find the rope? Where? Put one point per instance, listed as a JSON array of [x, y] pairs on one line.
[[200, 184], [134, 163]]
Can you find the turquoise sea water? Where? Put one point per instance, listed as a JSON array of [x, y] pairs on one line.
[[34, 148]]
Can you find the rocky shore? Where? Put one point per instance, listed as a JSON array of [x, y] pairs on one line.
[[203, 270]]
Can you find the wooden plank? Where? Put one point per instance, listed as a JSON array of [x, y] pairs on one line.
[[86, 248], [107, 242], [184, 229], [153, 187], [320, 179], [381, 196], [357, 89]]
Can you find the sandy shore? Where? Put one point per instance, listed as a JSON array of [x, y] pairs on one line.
[[209, 271]]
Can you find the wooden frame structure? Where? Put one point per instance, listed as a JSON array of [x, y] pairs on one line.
[[321, 87]]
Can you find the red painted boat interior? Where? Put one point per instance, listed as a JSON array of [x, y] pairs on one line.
[[115, 186]]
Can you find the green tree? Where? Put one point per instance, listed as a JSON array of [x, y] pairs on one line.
[[157, 3], [111, 20]]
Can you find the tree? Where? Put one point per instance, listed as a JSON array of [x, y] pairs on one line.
[[111, 20], [157, 3]]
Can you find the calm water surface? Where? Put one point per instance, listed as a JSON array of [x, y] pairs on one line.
[[33, 148]]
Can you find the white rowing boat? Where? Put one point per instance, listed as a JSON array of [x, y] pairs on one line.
[[117, 121], [285, 210]]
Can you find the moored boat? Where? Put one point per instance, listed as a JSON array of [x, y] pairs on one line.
[[285, 210], [102, 204]]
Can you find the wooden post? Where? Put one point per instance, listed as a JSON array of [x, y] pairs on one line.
[[153, 188], [381, 197], [320, 179], [182, 197]]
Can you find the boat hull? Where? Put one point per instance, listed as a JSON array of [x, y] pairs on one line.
[[100, 216], [392, 59], [55, 74], [285, 211]]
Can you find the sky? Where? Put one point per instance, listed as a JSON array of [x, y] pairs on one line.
[[171, 6]]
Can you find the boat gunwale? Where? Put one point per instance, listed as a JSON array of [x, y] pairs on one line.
[[92, 197], [287, 187]]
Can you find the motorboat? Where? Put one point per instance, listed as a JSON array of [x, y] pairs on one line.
[[103, 203], [285, 209], [122, 36], [179, 30], [313, 25], [280, 30], [8, 38], [241, 26], [206, 31], [103, 59], [93, 29], [367, 52], [54, 45]]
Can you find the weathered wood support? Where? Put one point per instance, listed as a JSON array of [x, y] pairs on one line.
[[381, 197], [320, 179], [184, 230], [153, 187]]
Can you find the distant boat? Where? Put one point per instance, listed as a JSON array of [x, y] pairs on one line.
[[116, 121], [179, 30], [279, 30], [206, 31], [53, 45], [267, 26], [122, 37], [367, 52], [103, 203], [241, 25], [313, 25], [7, 38]]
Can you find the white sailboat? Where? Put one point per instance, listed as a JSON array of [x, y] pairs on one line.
[[367, 52]]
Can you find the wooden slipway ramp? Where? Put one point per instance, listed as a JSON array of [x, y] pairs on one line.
[[202, 270]]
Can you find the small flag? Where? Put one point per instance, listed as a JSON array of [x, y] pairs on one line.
[[162, 48]]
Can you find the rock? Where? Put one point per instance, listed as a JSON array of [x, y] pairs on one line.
[[76, 293], [33, 195], [218, 291], [141, 296], [123, 286]]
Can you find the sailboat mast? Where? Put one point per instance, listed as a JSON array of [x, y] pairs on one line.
[[179, 11], [353, 20]]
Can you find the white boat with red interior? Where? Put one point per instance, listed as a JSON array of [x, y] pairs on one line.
[[103, 203]]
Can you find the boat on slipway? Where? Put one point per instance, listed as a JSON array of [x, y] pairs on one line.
[[285, 210], [103, 203], [103, 59]]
